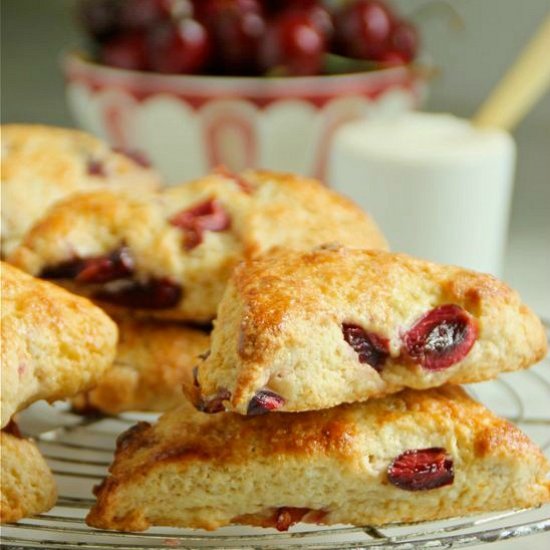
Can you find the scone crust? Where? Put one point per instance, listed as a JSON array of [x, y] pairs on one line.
[[54, 344], [266, 210], [43, 164], [153, 362], [206, 471], [279, 327], [28, 486]]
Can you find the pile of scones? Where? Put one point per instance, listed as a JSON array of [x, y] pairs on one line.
[[304, 372]]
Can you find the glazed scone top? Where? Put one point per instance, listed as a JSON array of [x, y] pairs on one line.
[[42, 164], [54, 344], [294, 323], [249, 214]]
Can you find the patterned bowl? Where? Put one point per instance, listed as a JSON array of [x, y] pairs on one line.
[[188, 124]]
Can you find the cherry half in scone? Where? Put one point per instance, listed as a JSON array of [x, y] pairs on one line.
[[154, 294], [421, 469], [370, 348], [441, 337], [206, 216], [263, 402]]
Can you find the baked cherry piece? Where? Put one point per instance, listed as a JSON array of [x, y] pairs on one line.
[[206, 216], [286, 517], [215, 404], [181, 46], [235, 27], [64, 270], [371, 348], [362, 29], [422, 469], [293, 45], [155, 294], [126, 51], [263, 402], [102, 269], [441, 337], [95, 167]]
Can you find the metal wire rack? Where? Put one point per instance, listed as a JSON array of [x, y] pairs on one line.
[[79, 450]]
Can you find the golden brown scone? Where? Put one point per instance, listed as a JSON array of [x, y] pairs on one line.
[[54, 344], [306, 331], [28, 486], [153, 362], [413, 456], [170, 255], [42, 164]]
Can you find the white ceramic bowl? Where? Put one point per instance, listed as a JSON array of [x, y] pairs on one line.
[[189, 124]]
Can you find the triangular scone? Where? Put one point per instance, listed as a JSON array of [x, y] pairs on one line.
[[307, 331], [170, 254], [413, 456], [28, 486], [54, 344], [43, 164], [152, 363]]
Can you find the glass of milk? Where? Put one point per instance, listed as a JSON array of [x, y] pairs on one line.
[[439, 188]]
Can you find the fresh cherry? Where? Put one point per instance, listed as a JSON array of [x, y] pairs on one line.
[[363, 29], [422, 469], [441, 337], [236, 28], [178, 47], [155, 294], [117, 265], [371, 348], [101, 18], [126, 51], [293, 45], [206, 216], [263, 402], [404, 41]]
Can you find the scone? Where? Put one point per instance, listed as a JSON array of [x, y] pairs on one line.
[[27, 487], [169, 255], [42, 164], [413, 456], [54, 344], [153, 362], [305, 331]]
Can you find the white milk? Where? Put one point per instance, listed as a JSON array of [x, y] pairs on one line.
[[439, 188]]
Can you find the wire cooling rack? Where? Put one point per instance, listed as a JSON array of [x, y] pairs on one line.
[[79, 450]]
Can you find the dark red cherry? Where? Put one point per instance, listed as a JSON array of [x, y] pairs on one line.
[[441, 337], [362, 29], [117, 265], [215, 404], [64, 270], [100, 18], [263, 402], [293, 45], [178, 47], [126, 51], [404, 41], [236, 28], [206, 216], [421, 469], [371, 348], [155, 294]]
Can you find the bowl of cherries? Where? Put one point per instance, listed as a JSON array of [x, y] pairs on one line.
[[240, 83]]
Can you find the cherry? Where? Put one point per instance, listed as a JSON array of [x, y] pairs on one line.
[[64, 270], [154, 294], [100, 17], [404, 41], [215, 404], [362, 29], [263, 402], [95, 167], [206, 216], [441, 337], [371, 348], [178, 47], [236, 27], [126, 51], [293, 44], [286, 517], [421, 469], [117, 265]]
